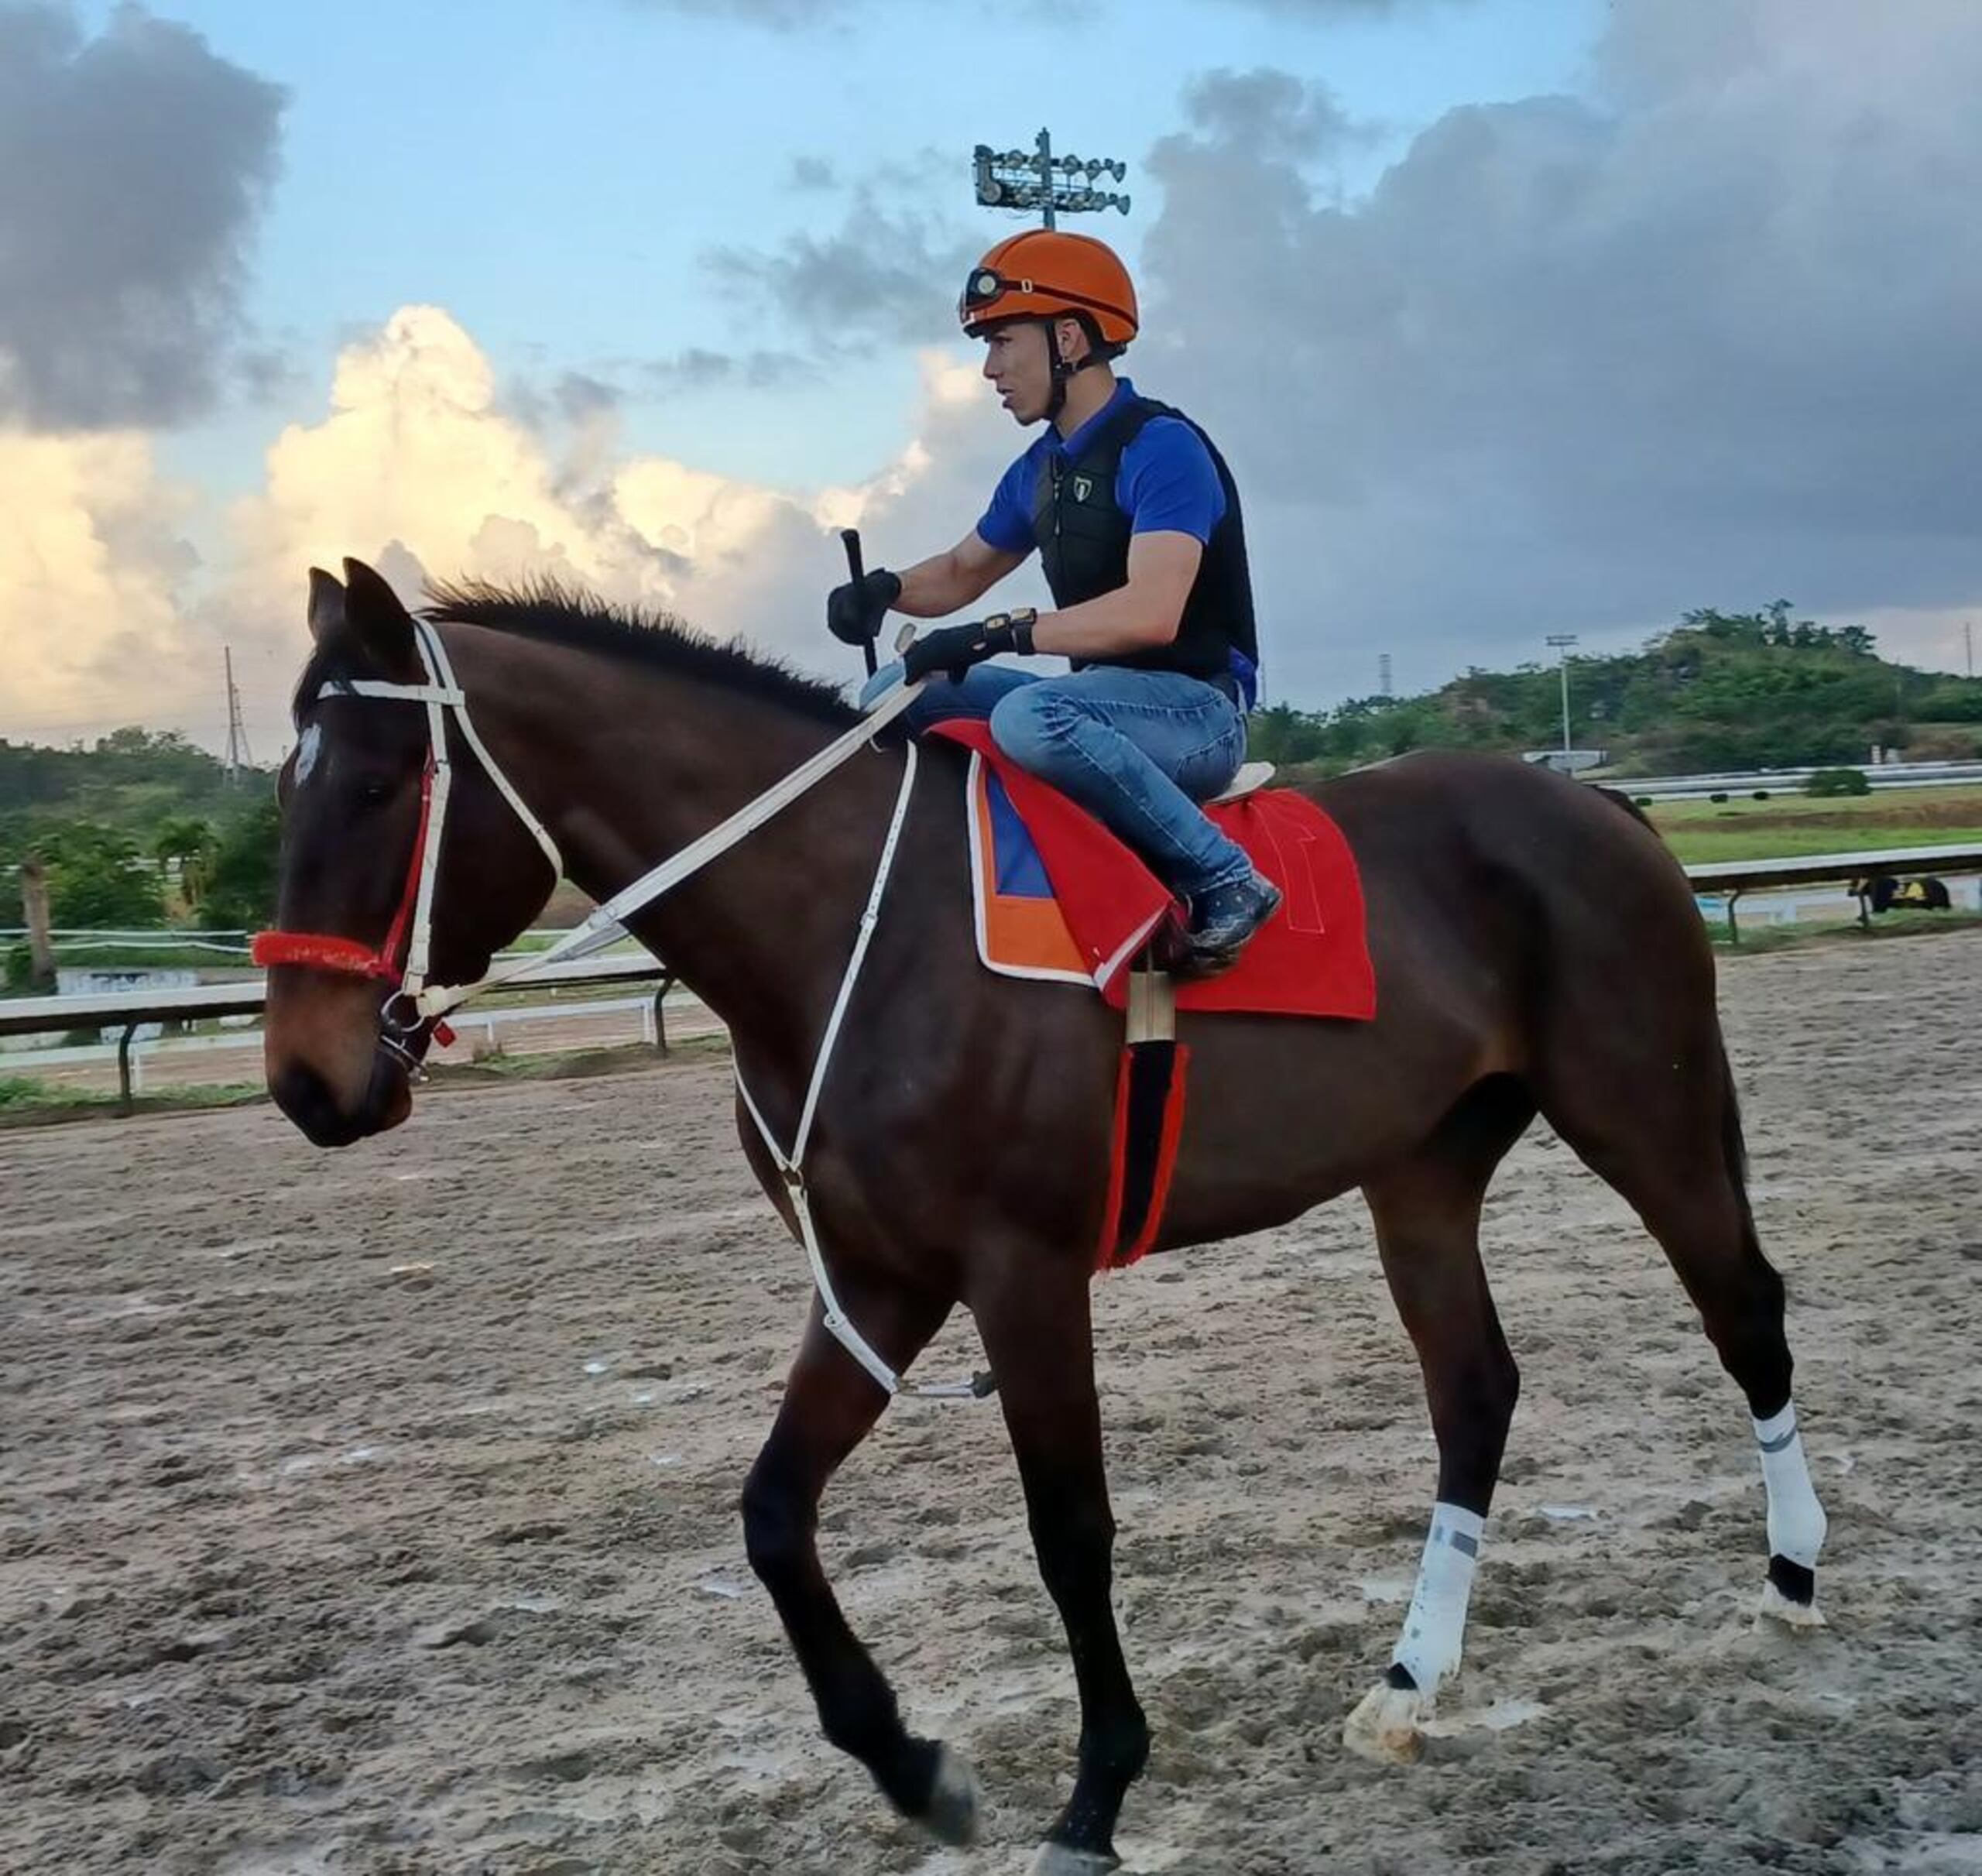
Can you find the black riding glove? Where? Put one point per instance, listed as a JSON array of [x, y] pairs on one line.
[[953, 649], [854, 612]]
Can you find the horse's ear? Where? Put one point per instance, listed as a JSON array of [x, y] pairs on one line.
[[326, 612], [382, 627]]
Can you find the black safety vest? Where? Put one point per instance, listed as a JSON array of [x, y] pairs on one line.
[[1082, 533]]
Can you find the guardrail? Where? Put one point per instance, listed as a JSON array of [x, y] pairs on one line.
[[129, 1009], [1879, 775], [39, 1015], [1735, 877]]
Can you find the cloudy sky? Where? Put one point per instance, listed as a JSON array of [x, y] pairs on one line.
[[1513, 316]]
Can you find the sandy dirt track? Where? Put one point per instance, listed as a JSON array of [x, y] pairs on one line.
[[307, 1567]]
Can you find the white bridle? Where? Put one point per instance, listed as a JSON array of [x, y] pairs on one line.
[[441, 695]]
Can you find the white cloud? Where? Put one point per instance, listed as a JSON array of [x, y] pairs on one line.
[[418, 468], [1701, 337], [91, 612]]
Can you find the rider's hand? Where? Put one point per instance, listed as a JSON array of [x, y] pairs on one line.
[[854, 612], [955, 648]]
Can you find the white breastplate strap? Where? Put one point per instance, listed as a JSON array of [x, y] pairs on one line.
[[791, 1163], [440, 693], [603, 928]]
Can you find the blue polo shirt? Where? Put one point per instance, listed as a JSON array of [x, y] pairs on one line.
[[1166, 483]]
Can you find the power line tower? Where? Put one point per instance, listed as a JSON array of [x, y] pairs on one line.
[[1011, 179], [237, 731]]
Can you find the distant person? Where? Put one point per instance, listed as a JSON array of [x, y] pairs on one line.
[[1883, 892], [1137, 524]]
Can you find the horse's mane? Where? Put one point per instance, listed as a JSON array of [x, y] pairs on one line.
[[545, 609]]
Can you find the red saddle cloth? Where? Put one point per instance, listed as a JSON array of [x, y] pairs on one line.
[[1311, 958]]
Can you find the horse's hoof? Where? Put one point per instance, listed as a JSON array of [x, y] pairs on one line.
[[951, 1817], [1057, 1860], [1777, 1607], [1388, 1726]]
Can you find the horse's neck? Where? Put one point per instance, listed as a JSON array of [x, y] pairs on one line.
[[629, 774], [763, 935]]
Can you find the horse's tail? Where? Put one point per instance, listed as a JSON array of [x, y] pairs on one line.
[[1734, 1143]]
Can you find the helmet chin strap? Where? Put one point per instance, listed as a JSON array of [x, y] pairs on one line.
[[1063, 370]]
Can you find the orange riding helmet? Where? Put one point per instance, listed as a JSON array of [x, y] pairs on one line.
[[1042, 273]]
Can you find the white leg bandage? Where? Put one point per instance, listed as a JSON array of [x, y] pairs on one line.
[[1796, 1521], [1434, 1631]]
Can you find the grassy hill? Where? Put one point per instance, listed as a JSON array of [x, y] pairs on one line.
[[142, 825], [133, 781], [135, 828], [1721, 690]]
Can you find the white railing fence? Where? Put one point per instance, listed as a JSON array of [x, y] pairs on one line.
[[1720, 887]]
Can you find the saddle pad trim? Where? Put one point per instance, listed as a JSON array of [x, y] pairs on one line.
[[1044, 924], [1312, 960]]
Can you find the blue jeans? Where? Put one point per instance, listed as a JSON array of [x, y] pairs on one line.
[[1139, 750]]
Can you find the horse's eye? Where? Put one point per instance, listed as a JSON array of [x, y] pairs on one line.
[[372, 793]]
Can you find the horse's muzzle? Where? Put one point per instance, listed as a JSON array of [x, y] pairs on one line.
[[307, 1097]]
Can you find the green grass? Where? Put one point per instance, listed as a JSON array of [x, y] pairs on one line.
[[1788, 826], [1755, 937], [25, 1102], [1897, 805], [224, 954], [1701, 846]]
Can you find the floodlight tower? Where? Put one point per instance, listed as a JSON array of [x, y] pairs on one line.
[[1562, 641], [1010, 179]]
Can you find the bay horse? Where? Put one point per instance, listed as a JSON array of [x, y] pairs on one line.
[[1537, 950]]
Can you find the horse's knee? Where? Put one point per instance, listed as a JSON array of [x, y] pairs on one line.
[[777, 1526], [1075, 1546]]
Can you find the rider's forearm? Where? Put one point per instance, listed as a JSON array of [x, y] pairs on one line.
[[1106, 626], [931, 588]]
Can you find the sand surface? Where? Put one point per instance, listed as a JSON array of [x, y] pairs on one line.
[[309, 1566]]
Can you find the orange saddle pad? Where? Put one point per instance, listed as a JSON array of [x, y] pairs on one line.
[[1057, 897]]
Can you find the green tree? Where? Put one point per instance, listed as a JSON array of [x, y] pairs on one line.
[[241, 892], [192, 844], [97, 881]]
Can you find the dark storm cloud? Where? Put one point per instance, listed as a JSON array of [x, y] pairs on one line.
[[132, 167], [1702, 337], [883, 277]]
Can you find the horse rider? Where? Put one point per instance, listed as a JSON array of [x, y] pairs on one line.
[[1136, 521]]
